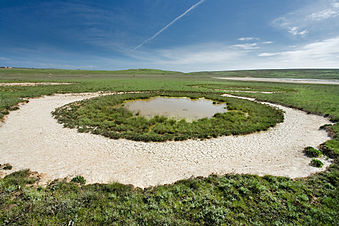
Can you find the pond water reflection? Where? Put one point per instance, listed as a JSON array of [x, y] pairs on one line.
[[175, 107]]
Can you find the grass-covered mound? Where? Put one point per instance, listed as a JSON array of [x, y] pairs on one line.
[[106, 116]]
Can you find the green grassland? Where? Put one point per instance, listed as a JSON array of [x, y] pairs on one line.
[[48, 74], [228, 199], [316, 99]]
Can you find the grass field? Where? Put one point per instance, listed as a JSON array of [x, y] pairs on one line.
[[48, 74], [229, 199]]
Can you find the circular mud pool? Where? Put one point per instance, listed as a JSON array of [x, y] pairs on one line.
[[32, 138], [142, 117], [176, 107]]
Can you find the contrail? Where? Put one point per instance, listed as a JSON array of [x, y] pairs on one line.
[[168, 25]]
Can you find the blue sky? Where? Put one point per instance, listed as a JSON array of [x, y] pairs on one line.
[[183, 35]]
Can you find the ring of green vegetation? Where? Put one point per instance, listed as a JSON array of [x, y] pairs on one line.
[[106, 116]]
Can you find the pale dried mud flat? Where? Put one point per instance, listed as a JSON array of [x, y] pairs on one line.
[[30, 138]]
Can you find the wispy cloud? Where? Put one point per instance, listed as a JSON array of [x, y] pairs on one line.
[[203, 54], [330, 12], [296, 31], [221, 56], [268, 54], [247, 46], [287, 24], [317, 16], [247, 38], [212, 56], [322, 53], [170, 24], [4, 58]]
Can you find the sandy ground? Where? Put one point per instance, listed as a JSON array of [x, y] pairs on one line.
[[283, 80], [33, 83], [31, 138]]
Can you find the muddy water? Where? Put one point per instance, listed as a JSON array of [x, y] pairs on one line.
[[175, 107]]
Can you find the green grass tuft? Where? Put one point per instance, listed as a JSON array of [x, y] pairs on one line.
[[79, 179], [317, 163], [312, 152]]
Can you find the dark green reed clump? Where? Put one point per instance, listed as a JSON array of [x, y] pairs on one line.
[[106, 116], [79, 179], [312, 152], [317, 163]]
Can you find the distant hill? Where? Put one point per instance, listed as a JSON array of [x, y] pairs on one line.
[[146, 71], [276, 73], [32, 73], [75, 71]]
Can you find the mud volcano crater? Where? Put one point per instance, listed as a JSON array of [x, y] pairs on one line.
[[167, 116]]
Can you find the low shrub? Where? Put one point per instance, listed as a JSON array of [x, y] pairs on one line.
[[9, 167], [317, 163], [330, 148], [312, 152], [79, 179], [6, 166]]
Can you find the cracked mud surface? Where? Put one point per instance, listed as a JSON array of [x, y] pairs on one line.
[[31, 138]]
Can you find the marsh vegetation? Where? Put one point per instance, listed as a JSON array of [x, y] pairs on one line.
[[106, 116]]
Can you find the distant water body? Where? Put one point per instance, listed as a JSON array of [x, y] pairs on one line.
[[284, 80]]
